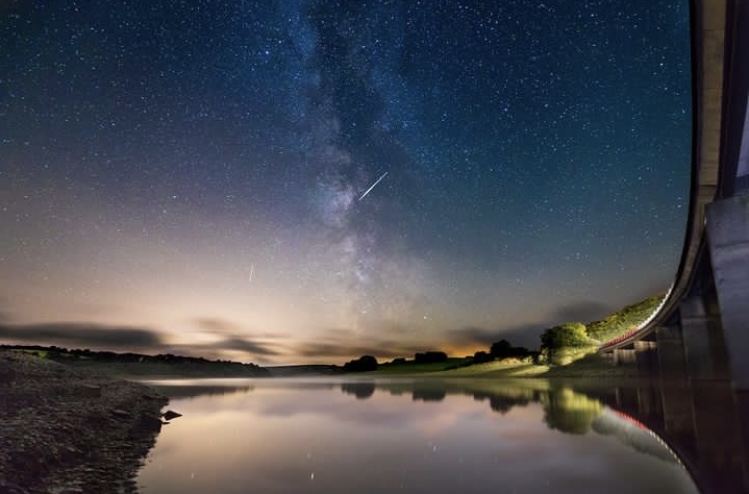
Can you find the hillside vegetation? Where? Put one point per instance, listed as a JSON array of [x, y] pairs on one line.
[[623, 320], [572, 341]]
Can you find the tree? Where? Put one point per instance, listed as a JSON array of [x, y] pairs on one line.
[[364, 363], [571, 334], [504, 349], [430, 357], [482, 357], [501, 349]]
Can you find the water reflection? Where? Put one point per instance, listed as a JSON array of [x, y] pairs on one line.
[[176, 389], [362, 390], [429, 436], [570, 412], [632, 433], [564, 409], [701, 421]]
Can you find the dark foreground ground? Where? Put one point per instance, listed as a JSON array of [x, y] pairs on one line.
[[67, 431]]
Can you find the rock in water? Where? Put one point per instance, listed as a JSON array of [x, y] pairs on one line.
[[170, 414]]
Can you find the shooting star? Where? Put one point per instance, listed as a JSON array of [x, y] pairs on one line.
[[373, 186], [252, 271]]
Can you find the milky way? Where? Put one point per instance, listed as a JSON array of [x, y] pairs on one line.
[[199, 175]]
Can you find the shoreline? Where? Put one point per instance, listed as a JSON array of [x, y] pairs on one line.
[[65, 430]]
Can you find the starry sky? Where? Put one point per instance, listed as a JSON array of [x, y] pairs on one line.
[[300, 181]]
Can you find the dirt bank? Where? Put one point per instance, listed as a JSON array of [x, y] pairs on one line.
[[66, 431]]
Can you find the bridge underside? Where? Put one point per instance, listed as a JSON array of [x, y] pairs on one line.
[[702, 329]]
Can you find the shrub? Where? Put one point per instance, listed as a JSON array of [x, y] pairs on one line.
[[503, 349], [430, 357], [365, 363], [482, 358], [571, 334]]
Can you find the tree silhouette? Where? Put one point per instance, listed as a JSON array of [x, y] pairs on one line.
[[430, 357], [364, 363]]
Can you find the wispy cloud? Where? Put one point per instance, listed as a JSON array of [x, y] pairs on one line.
[[239, 344], [216, 325], [234, 337], [84, 335], [526, 335], [583, 311]]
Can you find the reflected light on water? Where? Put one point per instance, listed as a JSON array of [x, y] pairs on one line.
[[420, 436]]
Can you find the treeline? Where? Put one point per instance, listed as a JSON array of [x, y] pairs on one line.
[[367, 363], [86, 356], [501, 350]]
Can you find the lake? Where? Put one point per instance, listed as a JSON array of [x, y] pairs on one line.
[[328, 435]]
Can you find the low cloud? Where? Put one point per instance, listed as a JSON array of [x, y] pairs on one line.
[[83, 335], [338, 333], [239, 344], [233, 337], [216, 325], [583, 311], [4, 314], [473, 335], [525, 335]]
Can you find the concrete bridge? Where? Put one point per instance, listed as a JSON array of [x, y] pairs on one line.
[[702, 328]]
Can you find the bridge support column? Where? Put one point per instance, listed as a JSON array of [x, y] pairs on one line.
[[671, 357], [728, 237], [703, 341]]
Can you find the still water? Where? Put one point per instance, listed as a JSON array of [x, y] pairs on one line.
[[431, 436]]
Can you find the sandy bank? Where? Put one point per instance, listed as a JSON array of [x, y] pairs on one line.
[[66, 431]]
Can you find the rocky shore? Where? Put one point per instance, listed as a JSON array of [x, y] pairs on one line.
[[66, 430]]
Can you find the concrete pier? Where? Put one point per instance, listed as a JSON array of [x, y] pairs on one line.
[[704, 345], [728, 237]]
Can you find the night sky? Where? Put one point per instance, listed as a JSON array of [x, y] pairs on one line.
[[196, 177]]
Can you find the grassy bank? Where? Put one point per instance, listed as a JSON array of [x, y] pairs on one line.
[[589, 365], [411, 367]]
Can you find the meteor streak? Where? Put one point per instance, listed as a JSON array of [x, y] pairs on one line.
[[373, 186]]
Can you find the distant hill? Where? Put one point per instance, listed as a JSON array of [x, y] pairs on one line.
[[136, 364]]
